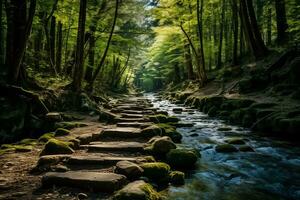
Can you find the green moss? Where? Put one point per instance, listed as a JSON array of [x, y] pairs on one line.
[[151, 131], [47, 136], [182, 158], [69, 125], [236, 140], [156, 170], [61, 132], [54, 146], [226, 148], [150, 192], [28, 142], [15, 147], [177, 177], [170, 131]]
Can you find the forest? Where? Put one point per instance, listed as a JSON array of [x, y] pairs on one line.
[[150, 99]]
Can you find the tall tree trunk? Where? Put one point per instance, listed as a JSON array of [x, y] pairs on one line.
[[235, 32], [38, 47], [79, 59], [281, 21], [59, 47], [91, 61], [269, 27], [102, 61], [177, 77], [52, 39], [252, 33], [19, 25], [188, 62], [259, 13], [202, 72], [1, 35], [219, 61]]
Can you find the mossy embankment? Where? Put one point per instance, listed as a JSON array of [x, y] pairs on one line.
[[263, 96]]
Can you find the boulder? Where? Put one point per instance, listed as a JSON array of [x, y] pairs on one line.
[[46, 137], [53, 117], [162, 145], [129, 169], [54, 146], [138, 190], [177, 177], [61, 132], [182, 158], [156, 170], [169, 130], [225, 148], [151, 131], [237, 140]]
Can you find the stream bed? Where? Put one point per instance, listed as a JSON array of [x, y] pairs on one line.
[[272, 171]]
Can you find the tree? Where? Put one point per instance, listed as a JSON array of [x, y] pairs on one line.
[[281, 21], [19, 23], [1, 35], [219, 59], [235, 32], [59, 47], [251, 30], [79, 59]]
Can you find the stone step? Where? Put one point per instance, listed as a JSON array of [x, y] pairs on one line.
[[101, 161], [121, 132], [115, 147], [139, 112], [134, 124], [125, 115], [122, 119], [95, 181]]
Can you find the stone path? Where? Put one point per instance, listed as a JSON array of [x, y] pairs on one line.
[[92, 166]]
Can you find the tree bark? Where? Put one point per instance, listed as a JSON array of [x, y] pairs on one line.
[[102, 61], [281, 21], [19, 25], [79, 59], [52, 40], [219, 60], [269, 27], [59, 47], [252, 33], [38, 47], [91, 60], [189, 62], [200, 32], [235, 32]]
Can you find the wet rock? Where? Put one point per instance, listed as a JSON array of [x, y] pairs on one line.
[[129, 169], [54, 146], [170, 131], [138, 190], [53, 117], [156, 170], [194, 135], [61, 132], [177, 178], [82, 196], [182, 158], [151, 131], [161, 145], [246, 148], [46, 137], [225, 148], [102, 182], [177, 110], [224, 129], [121, 132], [238, 141]]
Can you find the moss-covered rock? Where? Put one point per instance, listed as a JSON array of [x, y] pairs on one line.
[[46, 137], [160, 118], [151, 131], [156, 170], [182, 158], [61, 132], [54, 146], [161, 145], [177, 177], [246, 148], [28, 142], [235, 140], [138, 190], [129, 169], [225, 148], [170, 131]]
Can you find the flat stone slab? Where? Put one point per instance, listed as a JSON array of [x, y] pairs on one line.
[[139, 112], [125, 115], [97, 160], [102, 182], [121, 132], [115, 146], [122, 119], [134, 124]]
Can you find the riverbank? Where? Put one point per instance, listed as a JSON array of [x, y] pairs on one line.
[[263, 96]]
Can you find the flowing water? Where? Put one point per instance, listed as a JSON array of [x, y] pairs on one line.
[[272, 171]]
